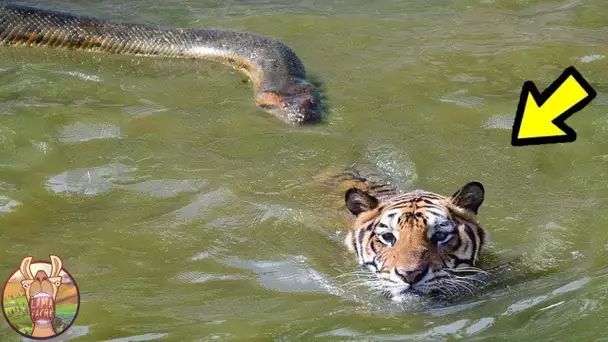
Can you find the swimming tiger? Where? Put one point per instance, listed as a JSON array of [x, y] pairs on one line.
[[417, 243]]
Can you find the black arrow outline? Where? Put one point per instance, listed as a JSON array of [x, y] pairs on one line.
[[541, 98]]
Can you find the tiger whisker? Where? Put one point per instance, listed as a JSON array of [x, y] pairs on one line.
[[459, 284], [446, 287]]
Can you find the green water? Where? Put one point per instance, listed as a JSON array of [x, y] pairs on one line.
[[185, 213]]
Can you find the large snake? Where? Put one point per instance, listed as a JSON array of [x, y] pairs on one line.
[[280, 83]]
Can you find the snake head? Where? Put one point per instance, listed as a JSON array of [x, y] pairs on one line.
[[297, 102]]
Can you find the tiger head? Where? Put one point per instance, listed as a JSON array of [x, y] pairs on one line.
[[419, 242]]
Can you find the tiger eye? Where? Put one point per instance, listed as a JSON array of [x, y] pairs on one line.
[[388, 238]]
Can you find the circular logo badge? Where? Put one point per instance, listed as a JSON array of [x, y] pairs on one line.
[[40, 299]]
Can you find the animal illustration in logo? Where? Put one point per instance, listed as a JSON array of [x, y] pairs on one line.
[[49, 297], [41, 292]]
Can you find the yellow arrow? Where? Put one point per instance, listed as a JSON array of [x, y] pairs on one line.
[[540, 117]]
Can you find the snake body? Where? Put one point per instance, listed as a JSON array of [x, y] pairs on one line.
[[279, 79]]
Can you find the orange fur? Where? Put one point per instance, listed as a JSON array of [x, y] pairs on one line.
[[416, 239]]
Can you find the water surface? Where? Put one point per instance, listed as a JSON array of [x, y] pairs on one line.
[[185, 213]]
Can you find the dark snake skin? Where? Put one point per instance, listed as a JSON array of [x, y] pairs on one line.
[[280, 84]]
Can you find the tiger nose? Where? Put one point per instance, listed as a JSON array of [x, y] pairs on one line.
[[412, 276]]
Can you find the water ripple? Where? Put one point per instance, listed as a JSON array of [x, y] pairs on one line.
[[80, 132], [394, 163], [82, 76], [499, 121], [530, 302], [166, 187], [291, 275], [7, 204], [91, 181], [145, 337], [457, 98], [148, 108], [199, 277], [97, 180], [74, 332], [197, 208], [591, 58]]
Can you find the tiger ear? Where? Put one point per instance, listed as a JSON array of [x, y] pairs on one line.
[[469, 197], [358, 201]]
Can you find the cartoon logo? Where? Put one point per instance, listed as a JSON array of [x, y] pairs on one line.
[[40, 300]]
